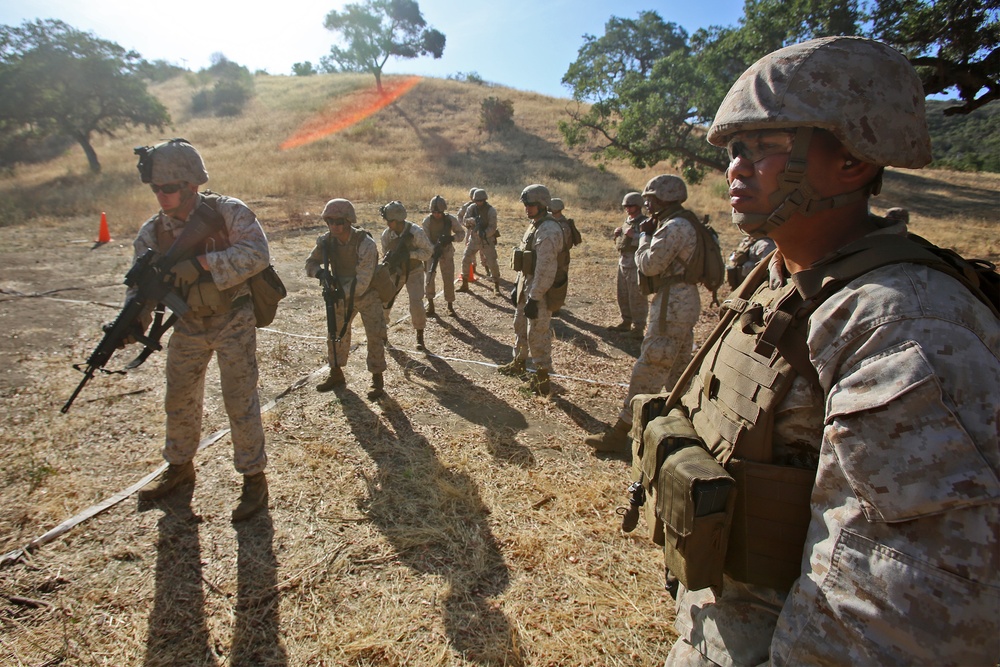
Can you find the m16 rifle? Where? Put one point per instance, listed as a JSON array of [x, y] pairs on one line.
[[333, 293], [443, 240], [152, 281]]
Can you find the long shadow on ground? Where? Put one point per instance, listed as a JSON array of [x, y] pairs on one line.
[[437, 523]]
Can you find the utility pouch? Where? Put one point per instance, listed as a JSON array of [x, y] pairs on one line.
[[555, 297], [695, 500], [205, 300], [769, 523], [647, 284], [266, 290], [528, 262], [382, 283], [517, 259]]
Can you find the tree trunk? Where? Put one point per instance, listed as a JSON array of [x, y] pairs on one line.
[[88, 150], [378, 80]]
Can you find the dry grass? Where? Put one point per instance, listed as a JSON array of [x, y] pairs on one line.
[[459, 522]]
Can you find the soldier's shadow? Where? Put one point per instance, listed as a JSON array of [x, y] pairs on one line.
[[438, 524], [178, 632], [256, 634], [622, 341]]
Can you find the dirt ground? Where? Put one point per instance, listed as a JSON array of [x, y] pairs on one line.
[[458, 521]]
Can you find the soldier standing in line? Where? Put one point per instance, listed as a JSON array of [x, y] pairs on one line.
[[536, 263], [406, 262], [633, 303], [747, 255], [481, 221], [461, 218], [856, 385], [571, 237], [346, 256], [667, 242], [442, 230], [221, 320]]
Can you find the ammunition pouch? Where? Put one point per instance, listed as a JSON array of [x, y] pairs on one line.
[[382, 283], [653, 284], [205, 300], [523, 261], [691, 500], [517, 259], [555, 297]]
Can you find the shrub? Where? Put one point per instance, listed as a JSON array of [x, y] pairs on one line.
[[496, 115]]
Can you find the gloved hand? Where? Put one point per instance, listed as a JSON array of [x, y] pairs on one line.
[[513, 296], [132, 336], [648, 226], [618, 232], [531, 309], [323, 275], [186, 273]]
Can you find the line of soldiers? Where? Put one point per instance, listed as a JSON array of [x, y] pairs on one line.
[[823, 476]]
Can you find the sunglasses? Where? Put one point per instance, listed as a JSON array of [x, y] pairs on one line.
[[755, 146], [168, 189], [336, 221]]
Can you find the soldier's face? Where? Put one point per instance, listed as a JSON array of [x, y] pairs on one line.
[[632, 211], [531, 210], [395, 225], [175, 198], [340, 229]]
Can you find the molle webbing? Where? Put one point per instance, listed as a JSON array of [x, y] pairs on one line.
[[345, 256]]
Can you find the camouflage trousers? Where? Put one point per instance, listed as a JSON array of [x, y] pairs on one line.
[[446, 264], [533, 338], [660, 363], [632, 303], [232, 337], [476, 245], [414, 289], [373, 319]]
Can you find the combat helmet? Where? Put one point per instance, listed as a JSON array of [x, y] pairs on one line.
[[632, 199], [666, 187], [556, 204], [537, 195], [394, 211], [438, 204], [171, 162], [340, 208], [865, 93], [479, 195]]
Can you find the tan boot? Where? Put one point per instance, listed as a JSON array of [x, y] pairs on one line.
[[464, 286], [420, 340], [621, 326], [167, 481], [377, 390], [254, 497], [335, 380], [516, 368], [539, 383], [615, 440], [430, 307]]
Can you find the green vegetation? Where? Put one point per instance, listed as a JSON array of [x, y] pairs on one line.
[[965, 143], [496, 115], [233, 88]]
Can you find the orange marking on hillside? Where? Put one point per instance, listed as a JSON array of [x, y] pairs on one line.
[[355, 109]]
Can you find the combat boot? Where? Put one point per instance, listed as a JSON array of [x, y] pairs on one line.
[[451, 309], [253, 498], [376, 391], [335, 380], [637, 332], [615, 440], [465, 285], [621, 326], [516, 368], [430, 307], [420, 339], [496, 288], [167, 481], [539, 383]]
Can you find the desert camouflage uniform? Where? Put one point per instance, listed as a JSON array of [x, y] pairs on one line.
[[746, 256], [901, 562], [231, 335], [533, 337], [474, 243], [433, 228], [366, 301], [633, 304], [420, 251], [666, 348]]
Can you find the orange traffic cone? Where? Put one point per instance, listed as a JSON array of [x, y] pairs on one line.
[[472, 272], [103, 235]]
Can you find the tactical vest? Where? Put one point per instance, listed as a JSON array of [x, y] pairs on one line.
[[480, 223], [204, 298], [626, 244], [435, 227], [412, 264], [345, 256], [654, 284]]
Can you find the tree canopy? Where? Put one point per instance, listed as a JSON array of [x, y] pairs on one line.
[[376, 30], [55, 79], [648, 90]]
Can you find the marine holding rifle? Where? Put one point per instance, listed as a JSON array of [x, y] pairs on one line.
[[344, 261], [220, 320], [480, 218], [405, 248], [442, 229]]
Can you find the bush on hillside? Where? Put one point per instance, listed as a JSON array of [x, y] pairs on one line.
[[233, 88], [496, 115]]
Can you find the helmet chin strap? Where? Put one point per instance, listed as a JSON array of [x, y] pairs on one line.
[[796, 195]]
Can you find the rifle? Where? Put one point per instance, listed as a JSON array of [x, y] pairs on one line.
[[394, 261], [443, 240], [151, 278], [333, 293], [481, 224]]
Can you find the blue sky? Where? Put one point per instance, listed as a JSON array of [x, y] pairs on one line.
[[524, 44]]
